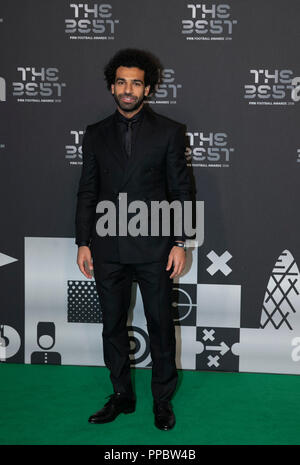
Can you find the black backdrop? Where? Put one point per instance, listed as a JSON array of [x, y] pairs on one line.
[[228, 77]]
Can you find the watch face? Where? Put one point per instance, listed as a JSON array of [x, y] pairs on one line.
[[180, 245]]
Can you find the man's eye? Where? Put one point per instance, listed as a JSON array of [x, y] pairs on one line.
[[137, 84]]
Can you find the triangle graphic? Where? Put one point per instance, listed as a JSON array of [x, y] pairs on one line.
[[6, 259]]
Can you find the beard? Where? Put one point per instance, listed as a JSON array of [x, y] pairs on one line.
[[128, 106]]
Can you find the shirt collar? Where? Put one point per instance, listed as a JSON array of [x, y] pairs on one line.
[[137, 117]]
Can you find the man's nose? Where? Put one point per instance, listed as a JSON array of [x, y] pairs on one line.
[[128, 88]]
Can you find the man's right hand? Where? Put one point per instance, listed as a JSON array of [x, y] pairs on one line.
[[84, 255]]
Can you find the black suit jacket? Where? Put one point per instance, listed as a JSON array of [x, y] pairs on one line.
[[156, 170]]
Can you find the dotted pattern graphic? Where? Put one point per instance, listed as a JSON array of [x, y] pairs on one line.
[[83, 302]]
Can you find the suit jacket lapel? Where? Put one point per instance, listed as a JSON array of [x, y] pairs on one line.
[[144, 134], [112, 139]]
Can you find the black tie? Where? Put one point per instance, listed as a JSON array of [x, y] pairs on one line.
[[128, 136]]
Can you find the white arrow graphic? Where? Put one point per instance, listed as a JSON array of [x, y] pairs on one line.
[[222, 348], [6, 259]]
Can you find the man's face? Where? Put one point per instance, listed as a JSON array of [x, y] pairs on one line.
[[129, 88]]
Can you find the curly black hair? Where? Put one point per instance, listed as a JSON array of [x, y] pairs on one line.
[[134, 58]]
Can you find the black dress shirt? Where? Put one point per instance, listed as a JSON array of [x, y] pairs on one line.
[[128, 128]]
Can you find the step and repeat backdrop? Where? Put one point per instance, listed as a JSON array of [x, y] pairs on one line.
[[231, 75]]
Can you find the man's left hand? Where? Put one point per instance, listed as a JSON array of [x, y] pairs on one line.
[[177, 258]]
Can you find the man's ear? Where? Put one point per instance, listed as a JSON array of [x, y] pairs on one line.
[[112, 88], [147, 90]]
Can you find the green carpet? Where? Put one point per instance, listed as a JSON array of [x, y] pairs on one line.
[[43, 404]]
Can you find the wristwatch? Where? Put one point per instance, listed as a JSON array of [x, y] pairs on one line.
[[180, 244]]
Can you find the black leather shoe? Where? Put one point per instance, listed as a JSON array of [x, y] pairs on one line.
[[164, 415], [117, 404]]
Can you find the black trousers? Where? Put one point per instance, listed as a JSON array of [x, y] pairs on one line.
[[114, 283]]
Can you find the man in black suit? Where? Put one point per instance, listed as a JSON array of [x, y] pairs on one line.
[[140, 155]]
